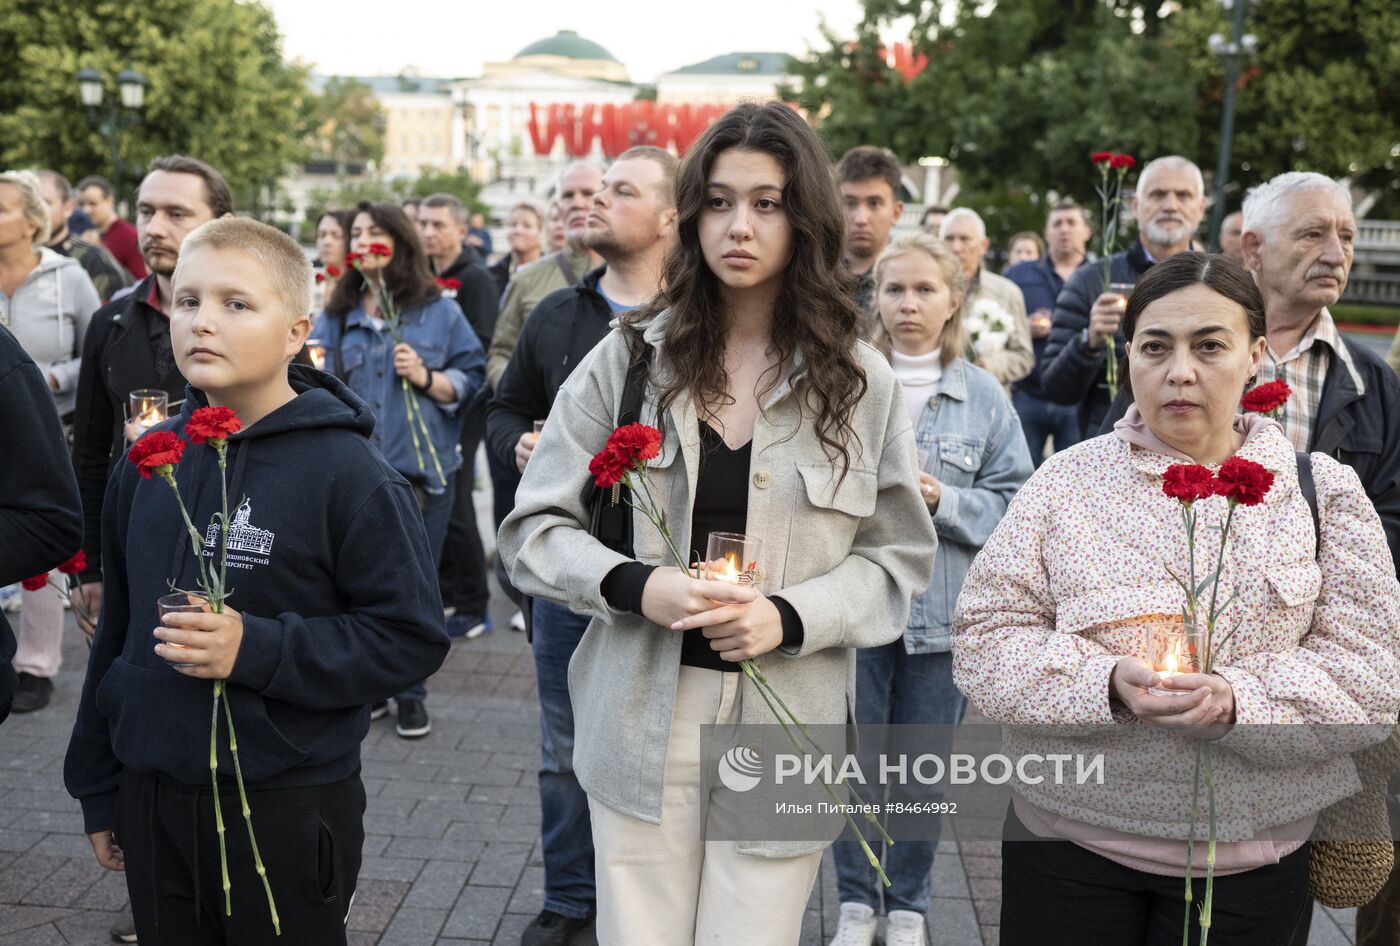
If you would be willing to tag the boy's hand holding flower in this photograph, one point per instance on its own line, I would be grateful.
(210, 642)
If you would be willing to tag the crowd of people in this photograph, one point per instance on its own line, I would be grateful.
(954, 504)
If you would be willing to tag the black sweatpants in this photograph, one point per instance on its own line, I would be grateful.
(309, 838)
(1056, 892)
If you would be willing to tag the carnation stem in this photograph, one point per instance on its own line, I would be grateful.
(1210, 851)
(197, 541)
(248, 819)
(1191, 841)
(218, 808)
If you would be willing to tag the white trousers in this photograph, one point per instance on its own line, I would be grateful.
(40, 650)
(665, 885)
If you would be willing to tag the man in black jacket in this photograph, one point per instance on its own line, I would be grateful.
(442, 225)
(630, 226)
(40, 518)
(1169, 203)
(127, 345)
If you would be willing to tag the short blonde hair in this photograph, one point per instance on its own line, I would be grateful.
(953, 340)
(32, 202)
(287, 268)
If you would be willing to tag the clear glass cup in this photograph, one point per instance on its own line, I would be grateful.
(1124, 289)
(179, 602)
(147, 407)
(539, 427)
(1172, 647)
(733, 557)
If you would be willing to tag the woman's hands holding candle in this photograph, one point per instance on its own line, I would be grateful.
(739, 631)
(1207, 698)
(671, 596)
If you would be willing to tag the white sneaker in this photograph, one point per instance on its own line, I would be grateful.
(857, 926)
(517, 621)
(904, 928)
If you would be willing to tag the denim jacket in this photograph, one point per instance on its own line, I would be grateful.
(971, 438)
(363, 357)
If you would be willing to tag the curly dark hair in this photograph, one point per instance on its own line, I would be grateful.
(815, 311)
(408, 277)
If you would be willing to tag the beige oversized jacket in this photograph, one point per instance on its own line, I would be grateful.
(848, 558)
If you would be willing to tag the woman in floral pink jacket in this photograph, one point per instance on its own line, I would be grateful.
(1048, 636)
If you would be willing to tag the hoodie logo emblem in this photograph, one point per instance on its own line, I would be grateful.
(243, 536)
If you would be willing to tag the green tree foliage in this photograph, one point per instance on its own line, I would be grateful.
(344, 123)
(1018, 94)
(218, 86)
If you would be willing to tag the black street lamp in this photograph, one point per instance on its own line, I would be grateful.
(1233, 53)
(110, 120)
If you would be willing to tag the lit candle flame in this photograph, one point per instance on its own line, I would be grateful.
(150, 416)
(1170, 664)
(731, 572)
(317, 353)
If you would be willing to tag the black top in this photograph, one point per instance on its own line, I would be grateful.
(721, 505)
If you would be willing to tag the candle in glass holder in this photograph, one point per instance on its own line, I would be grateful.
(317, 353)
(538, 427)
(1171, 650)
(733, 557)
(148, 407)
(1124, 289)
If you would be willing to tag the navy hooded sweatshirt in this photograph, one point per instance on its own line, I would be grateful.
(328, 564)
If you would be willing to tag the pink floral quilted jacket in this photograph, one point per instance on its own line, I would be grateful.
(1085, 546)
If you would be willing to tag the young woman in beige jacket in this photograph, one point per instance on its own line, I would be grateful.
(778, 423)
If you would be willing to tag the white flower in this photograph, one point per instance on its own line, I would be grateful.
(988, 327)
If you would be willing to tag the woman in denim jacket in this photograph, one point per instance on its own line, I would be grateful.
(440, 356)
(973, 458)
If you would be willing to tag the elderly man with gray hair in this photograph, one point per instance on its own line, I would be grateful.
(1168, 204)
(1297, 242)
(990, 299)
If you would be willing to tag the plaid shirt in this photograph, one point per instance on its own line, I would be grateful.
(1304, 369)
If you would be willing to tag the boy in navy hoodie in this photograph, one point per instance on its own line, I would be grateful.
(333, 605)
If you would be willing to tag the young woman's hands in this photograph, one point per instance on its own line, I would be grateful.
(671, 598)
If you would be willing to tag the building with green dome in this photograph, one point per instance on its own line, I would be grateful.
(565, 53)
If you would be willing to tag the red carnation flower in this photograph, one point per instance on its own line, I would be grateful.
(625, 450)
(36, 583)
(636, 442)
(157, 452)
(1123, 162)
(450, 284)
(76, 564)
(333, 271)
(352, 258)
(1101, 157)
(1243, 481)
(212, 423)
(380, 250)
(1266, 397)
(608, 468)
(320, 277)
(1188, 482)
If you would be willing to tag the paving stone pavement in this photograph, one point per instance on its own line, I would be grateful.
(451, 851)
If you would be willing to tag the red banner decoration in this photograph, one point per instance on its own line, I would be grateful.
(618, 127)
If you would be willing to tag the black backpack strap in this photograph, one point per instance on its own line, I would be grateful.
(612, 522)
(1309, 488)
